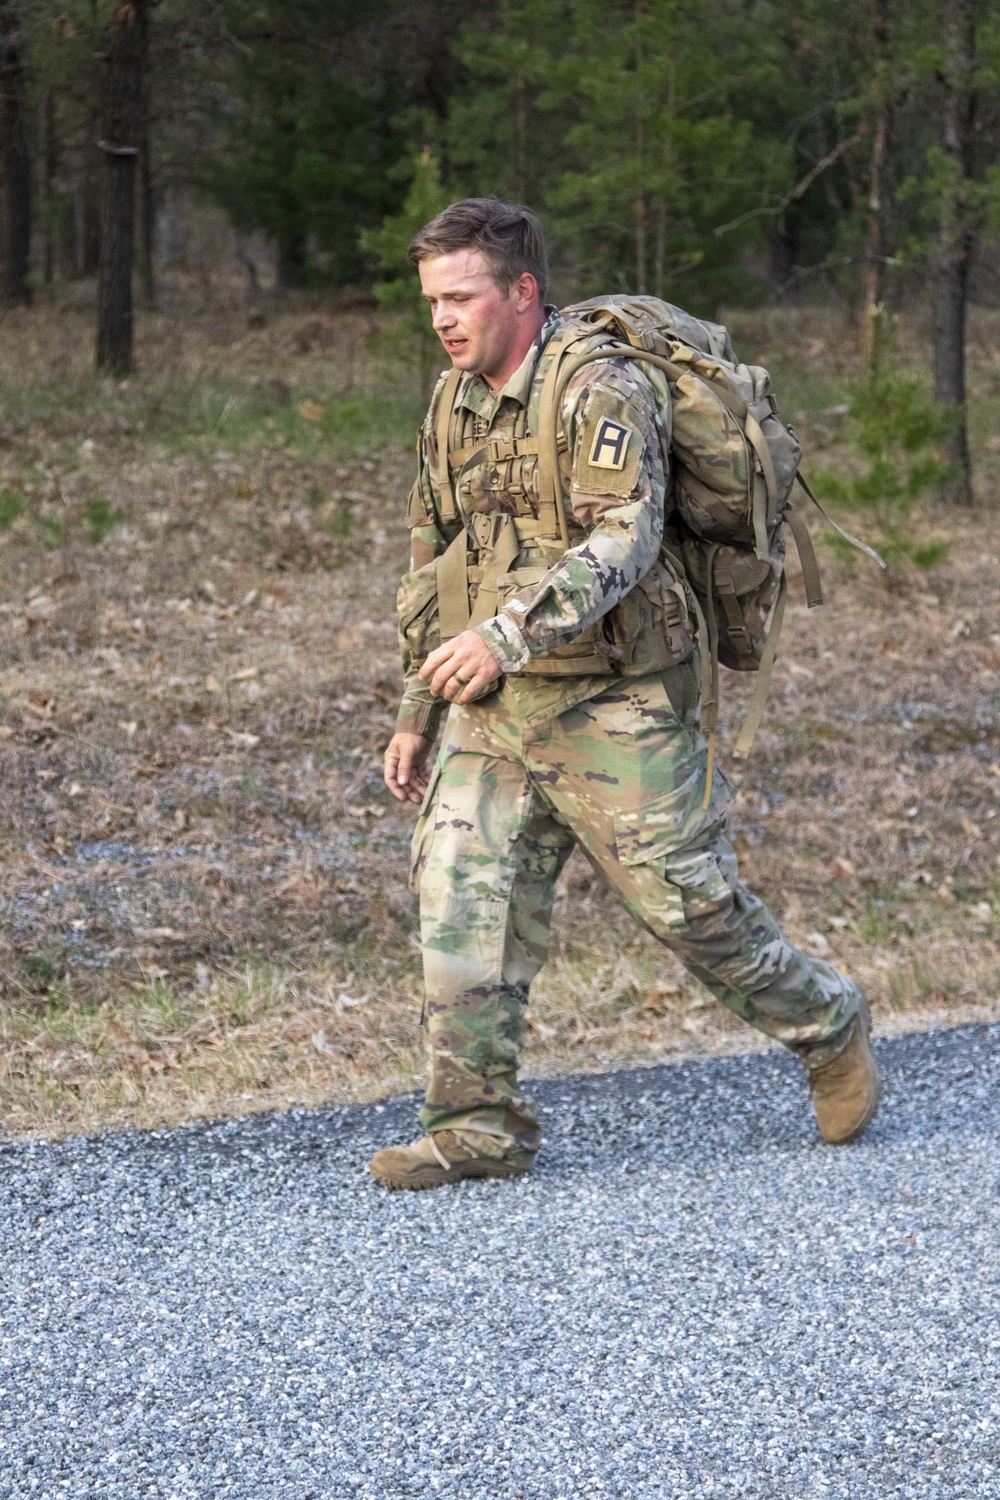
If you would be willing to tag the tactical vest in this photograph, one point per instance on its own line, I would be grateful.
(522, 527)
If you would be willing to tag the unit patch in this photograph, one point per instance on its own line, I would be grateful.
(610, 447)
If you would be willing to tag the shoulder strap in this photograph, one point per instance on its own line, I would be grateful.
(446, 403)
(551, 501)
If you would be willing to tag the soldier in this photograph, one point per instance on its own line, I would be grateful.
(549, 741)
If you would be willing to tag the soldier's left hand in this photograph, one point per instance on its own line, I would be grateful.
(461, 669)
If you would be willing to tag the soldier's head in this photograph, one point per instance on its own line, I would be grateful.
(484, 271)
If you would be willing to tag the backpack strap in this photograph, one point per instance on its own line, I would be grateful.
(493, 451)
(708, 632)
(551, 499)
(762, 687)
(807, 557)
(446, 406)
(765, 489)
(854, 541)
(453, 587)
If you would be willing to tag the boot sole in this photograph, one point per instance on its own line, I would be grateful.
(432, 1177)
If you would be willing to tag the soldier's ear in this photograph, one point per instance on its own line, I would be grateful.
(524, 291)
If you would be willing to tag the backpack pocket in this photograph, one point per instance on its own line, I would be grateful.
(742, 589)
(651, 627)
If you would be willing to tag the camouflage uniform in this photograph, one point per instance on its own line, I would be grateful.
(612, 762)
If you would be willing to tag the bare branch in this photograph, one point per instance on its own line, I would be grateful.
(799, 190)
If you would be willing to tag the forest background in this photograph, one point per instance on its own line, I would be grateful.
(212, 363)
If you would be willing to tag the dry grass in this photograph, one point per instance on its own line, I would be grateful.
(201, 878)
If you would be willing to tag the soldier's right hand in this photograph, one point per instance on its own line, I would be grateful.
(405, 767)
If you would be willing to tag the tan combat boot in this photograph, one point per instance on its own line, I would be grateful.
(846, 1091)
(447, 1156)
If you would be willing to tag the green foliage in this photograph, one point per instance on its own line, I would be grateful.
(426, 197)
(304, 140)
(897, 432)
(100, 519)
(409, 335)
(622, 122)
(11, 506)
(660, 159)
(51, 529)
(341, 523)
(96, 516)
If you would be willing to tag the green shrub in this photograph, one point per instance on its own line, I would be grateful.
(100, 520)
(897, 433)
(11, 506)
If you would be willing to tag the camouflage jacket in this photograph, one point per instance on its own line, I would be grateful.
(615, 468)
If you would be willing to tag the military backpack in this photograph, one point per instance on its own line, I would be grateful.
(732, 464)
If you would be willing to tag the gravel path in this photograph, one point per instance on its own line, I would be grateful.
(691, 1297)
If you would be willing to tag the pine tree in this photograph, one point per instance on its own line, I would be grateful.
(409, 332)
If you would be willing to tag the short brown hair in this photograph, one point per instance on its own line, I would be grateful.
(508, 234)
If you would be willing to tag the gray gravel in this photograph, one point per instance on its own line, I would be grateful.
(691, 1297)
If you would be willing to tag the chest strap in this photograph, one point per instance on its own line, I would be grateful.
(492, 451)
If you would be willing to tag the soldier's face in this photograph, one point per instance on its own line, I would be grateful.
(476, 322)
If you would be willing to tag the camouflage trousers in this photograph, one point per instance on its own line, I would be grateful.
(622, 774)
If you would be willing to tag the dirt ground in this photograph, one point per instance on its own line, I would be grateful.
(202, 879)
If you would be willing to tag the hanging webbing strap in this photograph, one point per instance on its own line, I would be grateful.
(449, 510)
(762, 687)
(500, 558)
(854, 541)
(708, 629)
(807, 557)
(453, 587)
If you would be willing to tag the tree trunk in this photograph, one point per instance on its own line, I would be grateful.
(47, 154)
(146, 212)
(521, 139)
(291, 259)
(121, 129)
(875, 237)
(639, 206)
(639, 209)
(15, 167)
(88, 216)
(660, 249)
(956, 244)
